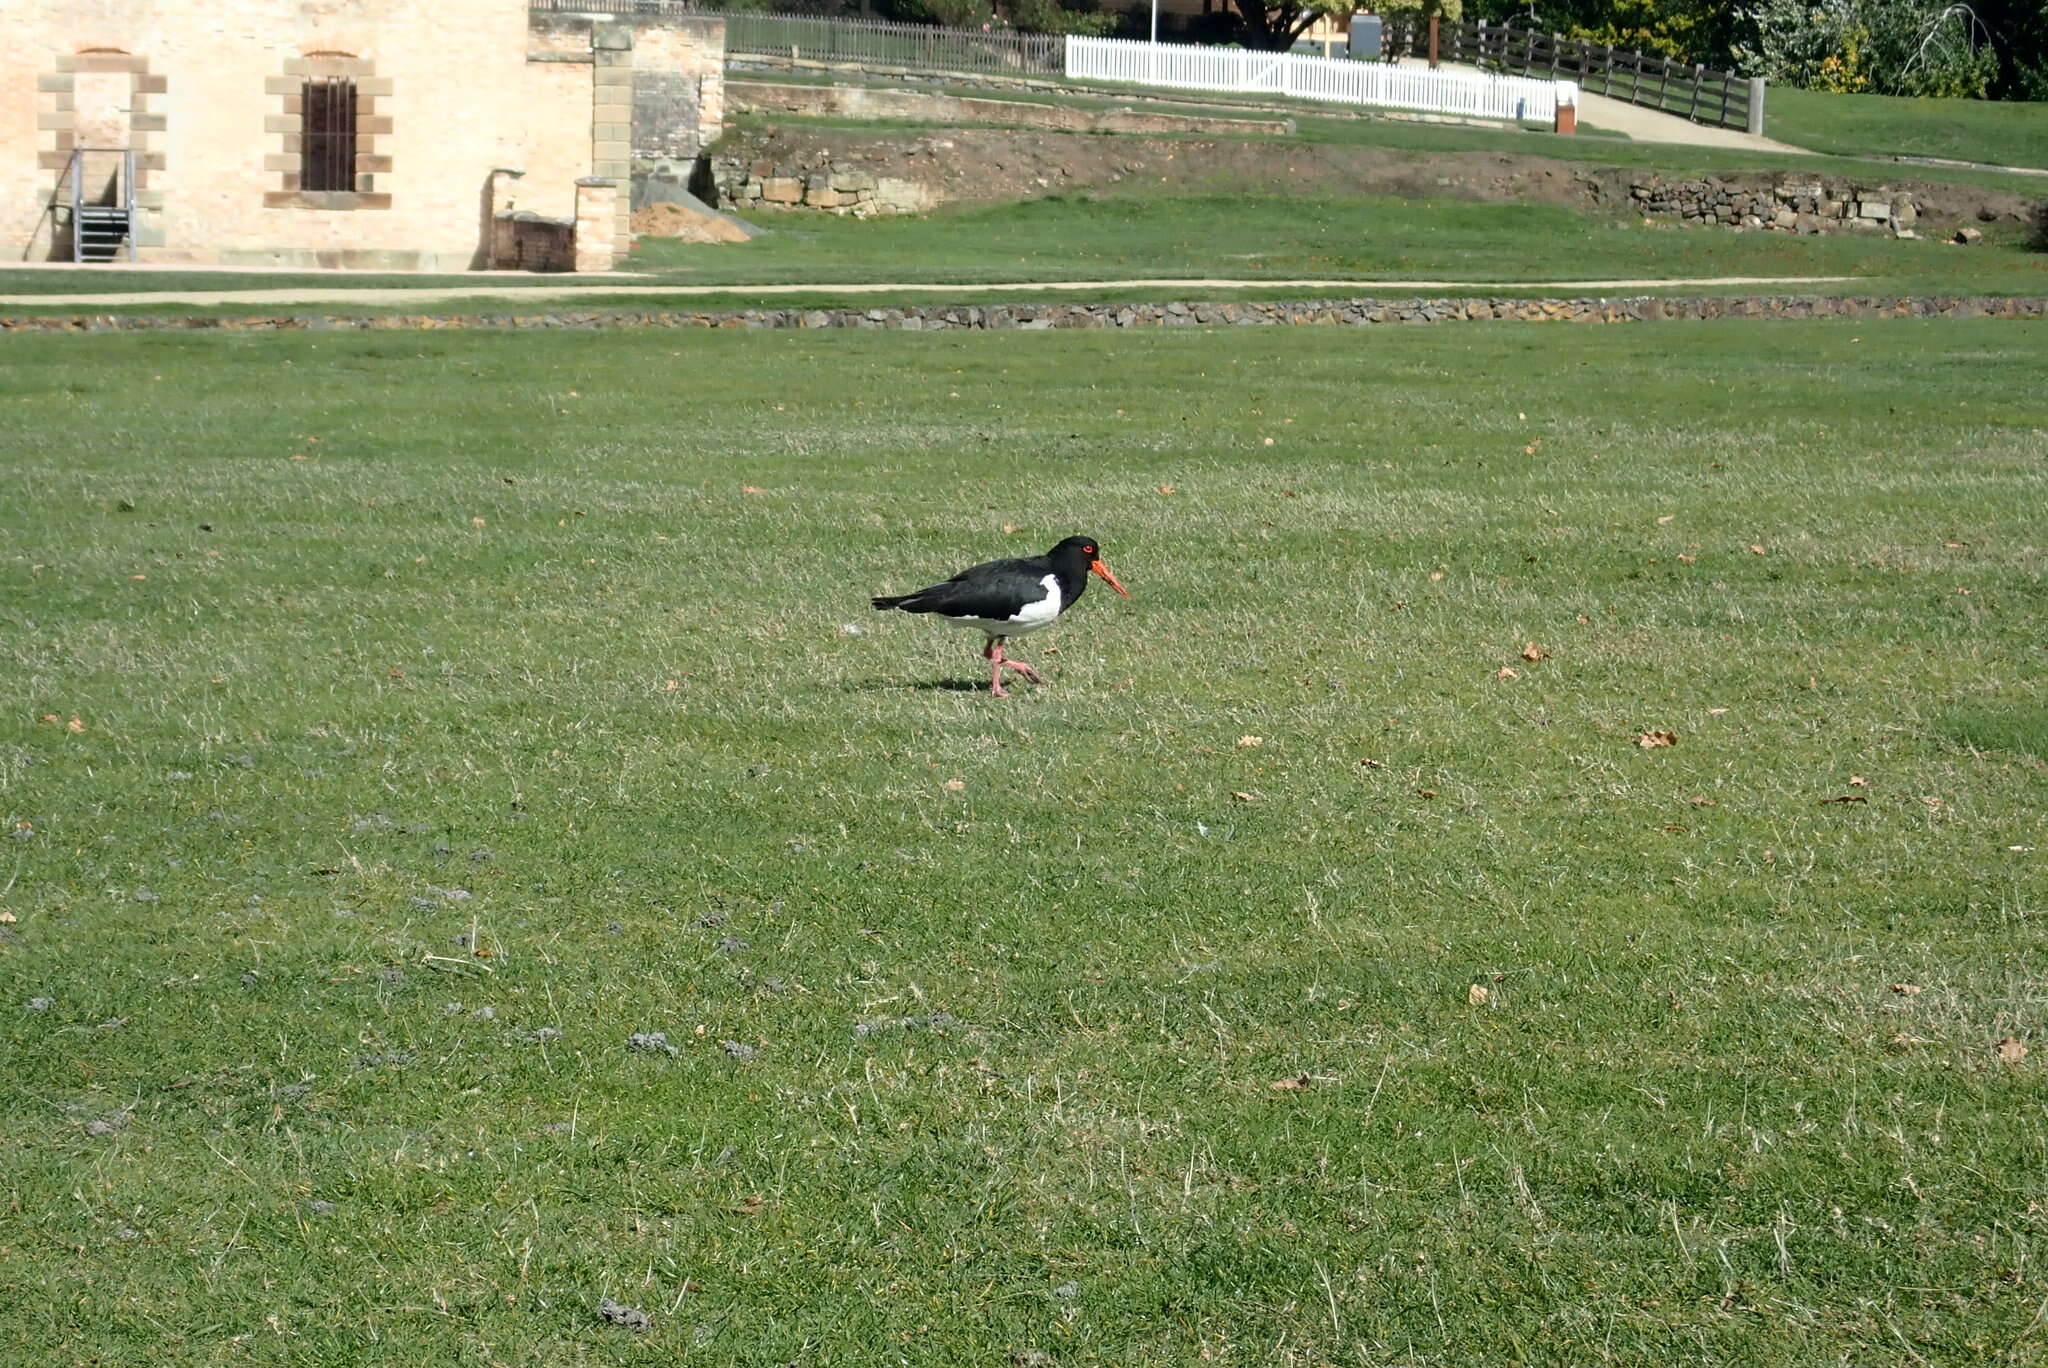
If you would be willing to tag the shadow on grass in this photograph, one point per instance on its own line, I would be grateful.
(920, 685)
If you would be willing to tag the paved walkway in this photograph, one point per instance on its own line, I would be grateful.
(438, 293)
(1654, 125)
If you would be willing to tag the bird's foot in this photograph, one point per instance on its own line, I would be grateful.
(1034, 676)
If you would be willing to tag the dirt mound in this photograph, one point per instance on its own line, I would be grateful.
(670, 220)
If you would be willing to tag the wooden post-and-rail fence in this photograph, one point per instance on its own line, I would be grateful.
(1691, 92)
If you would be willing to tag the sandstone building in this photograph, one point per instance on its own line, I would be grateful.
(382, 134)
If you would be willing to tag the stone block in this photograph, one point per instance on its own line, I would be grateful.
(818, 180)
(1905, 214)
(1873, 209)
(826, 198)
(1969, 237)
(782, 190)
(851, 180)
(895, 195)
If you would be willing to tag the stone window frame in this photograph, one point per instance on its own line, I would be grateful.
(286, 125)
(59, 115)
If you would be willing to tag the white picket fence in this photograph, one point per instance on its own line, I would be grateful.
(1317, 78)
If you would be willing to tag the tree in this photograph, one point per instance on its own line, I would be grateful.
(1685, 30)
(1273, 25)
(1884, 47)
(2019, 35)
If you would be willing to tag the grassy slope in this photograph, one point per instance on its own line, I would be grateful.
(2006, 133)
(538, 651)
(1107, 237)
(1111, 236)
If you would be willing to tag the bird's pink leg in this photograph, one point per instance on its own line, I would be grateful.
(1025, 670)
(994, 655)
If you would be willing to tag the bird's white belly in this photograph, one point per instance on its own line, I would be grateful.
(1029, 618)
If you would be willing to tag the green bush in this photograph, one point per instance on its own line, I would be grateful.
(1880, 47)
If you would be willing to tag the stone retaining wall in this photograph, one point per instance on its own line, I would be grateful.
(1044, 317)
(837, 189)
(1790, 205)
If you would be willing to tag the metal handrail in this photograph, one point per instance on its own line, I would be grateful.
(74, 169)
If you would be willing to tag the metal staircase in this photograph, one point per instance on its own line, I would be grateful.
(99, 183)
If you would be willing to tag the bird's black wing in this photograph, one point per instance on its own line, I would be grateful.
(997, 590)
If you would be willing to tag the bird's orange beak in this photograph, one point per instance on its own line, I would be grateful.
(1097, 567)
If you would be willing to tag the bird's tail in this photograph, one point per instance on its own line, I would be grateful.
(886, 602)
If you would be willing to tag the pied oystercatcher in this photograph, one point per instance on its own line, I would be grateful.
(1006, 598)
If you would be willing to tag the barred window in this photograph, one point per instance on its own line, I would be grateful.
(327, 134)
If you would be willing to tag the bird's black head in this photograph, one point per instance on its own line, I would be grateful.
(1085, 555)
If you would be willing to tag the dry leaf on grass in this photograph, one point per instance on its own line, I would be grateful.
(1534, 653)
(1666, 518)
(75, 726)
(1478, 995)
(1701, 800)
(1294, 1084)
(1508, 672)
(1244, 797)
(2011, 1051)
(1907, 989)
(1858, 781)
(955, 785)
(1251, 740)
(1845, 798)
(752, 489)
(1755, 550)
(1651, 740)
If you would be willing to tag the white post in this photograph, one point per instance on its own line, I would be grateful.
(1152, 53)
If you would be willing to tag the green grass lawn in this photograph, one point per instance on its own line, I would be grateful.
(1317, 970)
(1211, 235)
(1995, 132)
(1105, 236)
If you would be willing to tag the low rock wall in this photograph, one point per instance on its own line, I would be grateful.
(837, 189)
(1790, 205)
(1046, 317)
